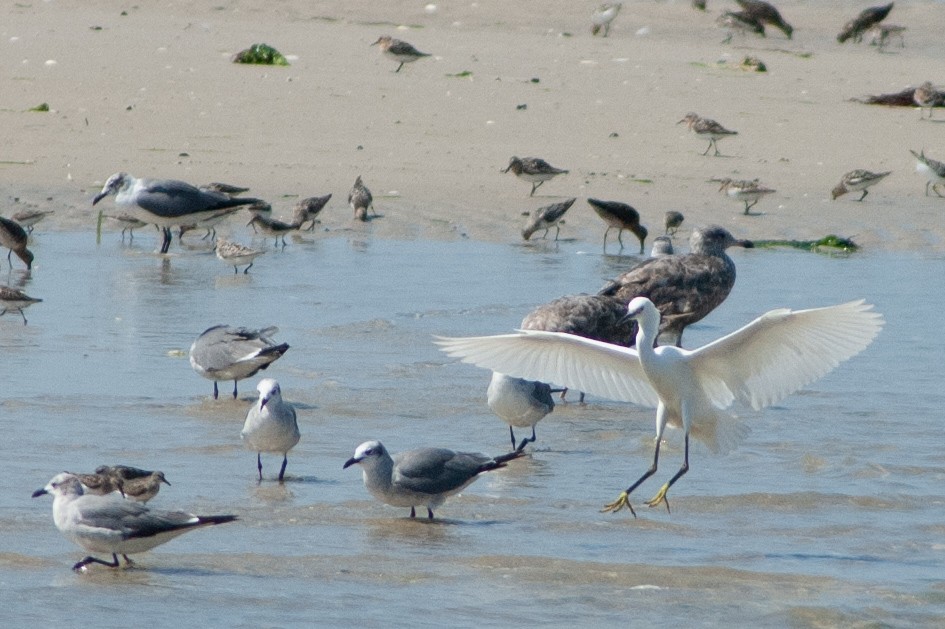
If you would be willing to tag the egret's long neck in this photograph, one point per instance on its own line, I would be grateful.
(648, 329)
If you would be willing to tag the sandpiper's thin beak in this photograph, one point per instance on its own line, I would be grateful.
(165, 481)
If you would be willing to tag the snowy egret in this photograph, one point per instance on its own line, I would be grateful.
(757, 365)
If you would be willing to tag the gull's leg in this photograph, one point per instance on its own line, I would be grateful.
(413, 512)
(623, 500)
(525, 440)
(429, 513)
(661, 494)
(168, 236)
(216, 392)
(234, 389)
(285, 461)
(512, 435)
(259, 465)
(82, 564)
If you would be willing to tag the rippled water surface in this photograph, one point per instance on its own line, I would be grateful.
(832, 512)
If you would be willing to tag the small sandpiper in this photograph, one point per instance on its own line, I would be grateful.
(707, 128)
(28, 218)
(128, 224)
(398, 50)
(671, 221)
(749, 192)
(620, 216)
(924, 96)
(933, 170)
(209, 224)
(274, 227)
(547, 217)
(310, 208)
(766, 13)
(856, 180)
(13, 237)
(236, 254)
(534, 170)
(361, 200)
(15, 300)
(863, 22)
(603, 16)
(224, 188)
(739, 22)
(882, 33)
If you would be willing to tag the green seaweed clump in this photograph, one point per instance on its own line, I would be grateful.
(262, 54)
(830, 243)
(40, 107)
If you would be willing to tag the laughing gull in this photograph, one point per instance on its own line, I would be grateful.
(519, 403)
(757, 366)
(225, 352)
(108, 524)
(425, 476)
(166, 202)
(270, 425)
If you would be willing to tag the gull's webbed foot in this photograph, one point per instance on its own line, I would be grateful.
(623, 500)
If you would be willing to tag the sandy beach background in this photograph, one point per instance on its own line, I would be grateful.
(150, 89)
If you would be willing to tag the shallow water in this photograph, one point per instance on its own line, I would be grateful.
(830, 513)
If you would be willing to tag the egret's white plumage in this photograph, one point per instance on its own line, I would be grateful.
(757, 365)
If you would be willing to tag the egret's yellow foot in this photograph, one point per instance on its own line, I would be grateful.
(623, 500)
(660, 497)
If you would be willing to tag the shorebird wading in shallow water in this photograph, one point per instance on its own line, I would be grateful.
(399, 51)
(706, 128)
(744, 191)
(236, 254)
(422, 477)
(108, 524)
(361, 200)
(620, 216)
(270, 425)
(165, 202)
(14, 238)
(534, 170)
(225, 352)
(547, 217)
(15, 300)
(757, 366)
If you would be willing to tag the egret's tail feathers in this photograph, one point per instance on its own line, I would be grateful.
(722, 434)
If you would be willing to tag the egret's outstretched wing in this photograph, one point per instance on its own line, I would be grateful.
(781, 351)
(610, 371)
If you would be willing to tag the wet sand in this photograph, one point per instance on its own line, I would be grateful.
(153, 92)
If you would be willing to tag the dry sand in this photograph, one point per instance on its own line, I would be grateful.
(153, 92)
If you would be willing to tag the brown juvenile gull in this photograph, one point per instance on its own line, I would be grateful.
(766, 13)
(15, 300)
(620, 216)
(14, 238)
(547, 217)
(863, 22)
(226, 352)
(166, 203)
(706, 128)
(106, 524)
(422, 477)
(534, 170)
(399, 51)
(684, 287)
(361, 200)
(857, 180)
